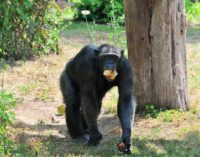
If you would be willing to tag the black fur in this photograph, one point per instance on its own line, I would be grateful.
(83, 86)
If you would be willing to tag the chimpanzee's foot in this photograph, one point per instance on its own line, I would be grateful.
(94, 140)
(83, 139)
(100, 136)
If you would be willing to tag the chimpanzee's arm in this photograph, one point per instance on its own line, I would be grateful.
(127, 102)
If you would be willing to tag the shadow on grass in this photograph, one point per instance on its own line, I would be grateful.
(187, 147)
(54, 145)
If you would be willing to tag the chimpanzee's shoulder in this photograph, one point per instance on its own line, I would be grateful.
(125, 63)
(88, 50)
(90, 47)
(125, 67)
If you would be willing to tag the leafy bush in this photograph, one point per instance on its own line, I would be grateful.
(152, 111)
(101, 11)
(7, 102)
(192, 10)
(29, 27)
(162, 114)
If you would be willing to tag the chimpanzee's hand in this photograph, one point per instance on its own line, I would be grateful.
(124, 146)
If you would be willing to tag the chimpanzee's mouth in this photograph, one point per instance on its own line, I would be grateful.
(110, 75)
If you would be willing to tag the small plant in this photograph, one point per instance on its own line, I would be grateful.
(115, 24)
(90, 28)
(170, 115)
(7, 102)
(151, 111)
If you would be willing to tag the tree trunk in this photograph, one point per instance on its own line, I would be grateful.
(157, 52)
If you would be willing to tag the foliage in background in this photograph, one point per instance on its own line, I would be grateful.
(90, 28)
(101, 11)
(7, 102)
(115, 25)
(29, 27)
(32, 27)
(193, 11)
(116, 22)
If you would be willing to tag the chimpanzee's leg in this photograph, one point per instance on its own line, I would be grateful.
(72, 102)
(89, 103)
(84, 124)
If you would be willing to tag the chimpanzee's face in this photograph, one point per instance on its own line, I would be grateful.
(109, 62)
(109, 58)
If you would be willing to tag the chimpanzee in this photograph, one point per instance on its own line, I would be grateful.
(84, 82)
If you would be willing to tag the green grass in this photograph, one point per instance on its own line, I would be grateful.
(193, 57)
(27, 88)
(83, 27)
(81, 30)
(102, 34)
(110, 103)
(44, 94)
(185, 146)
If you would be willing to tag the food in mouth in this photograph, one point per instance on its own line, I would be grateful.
(110, 74)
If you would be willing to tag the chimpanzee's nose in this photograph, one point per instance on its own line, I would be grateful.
(110, 66)
(110, 62)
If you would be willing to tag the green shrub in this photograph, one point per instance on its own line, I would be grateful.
(152, 111)
(7, 102)
(192, 10)
(101, 11)
(187, 5)
(29, 27)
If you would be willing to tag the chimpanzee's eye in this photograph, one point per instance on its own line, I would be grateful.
(108, 58)
(115, 58)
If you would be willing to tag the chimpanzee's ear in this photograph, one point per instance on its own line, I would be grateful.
(97, 51)
(122, 53)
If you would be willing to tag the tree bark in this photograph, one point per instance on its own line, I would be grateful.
(157, 52)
